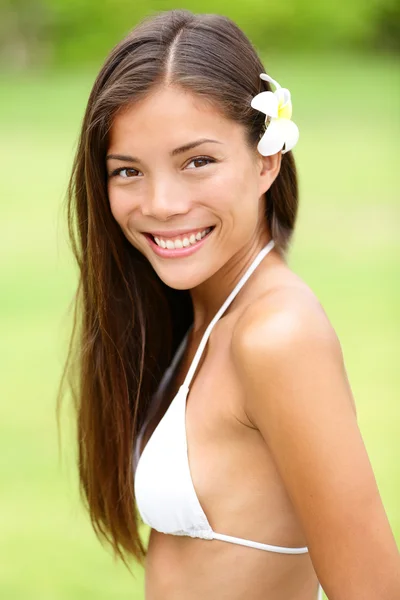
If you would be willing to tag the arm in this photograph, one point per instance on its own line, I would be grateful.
(298, 396)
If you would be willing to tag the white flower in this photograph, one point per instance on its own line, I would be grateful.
(280, 131)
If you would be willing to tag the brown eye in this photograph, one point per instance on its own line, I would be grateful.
(126, 171)
(201, 159)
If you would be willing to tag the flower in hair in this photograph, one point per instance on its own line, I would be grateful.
(280, 130)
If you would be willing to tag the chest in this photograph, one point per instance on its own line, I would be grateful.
(213, 397)
(225, 452)
(230, 465)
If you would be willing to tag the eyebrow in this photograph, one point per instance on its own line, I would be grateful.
(180, 150)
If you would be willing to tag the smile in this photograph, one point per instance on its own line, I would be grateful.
(179, 247)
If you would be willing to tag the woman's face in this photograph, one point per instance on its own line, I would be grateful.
(155, 184)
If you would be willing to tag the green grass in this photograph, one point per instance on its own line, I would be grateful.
(346, 248)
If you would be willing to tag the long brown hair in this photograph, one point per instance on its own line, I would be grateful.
(127, 322)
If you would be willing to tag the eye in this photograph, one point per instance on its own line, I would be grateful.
(200, 159)
(122, 170)
(129, 172)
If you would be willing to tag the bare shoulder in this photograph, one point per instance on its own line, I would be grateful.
(286, 333)
(282, 323)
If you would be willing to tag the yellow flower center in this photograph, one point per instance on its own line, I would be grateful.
(284, 112)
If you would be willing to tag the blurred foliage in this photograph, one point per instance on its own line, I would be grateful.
(55, 33)
(387, 25)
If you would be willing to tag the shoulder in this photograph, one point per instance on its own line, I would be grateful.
(283, 321)
(285, 340)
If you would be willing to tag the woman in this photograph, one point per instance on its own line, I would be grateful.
(213, 403)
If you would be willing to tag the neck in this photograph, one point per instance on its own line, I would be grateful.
(209, 296)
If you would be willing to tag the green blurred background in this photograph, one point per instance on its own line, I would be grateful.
(341, 64)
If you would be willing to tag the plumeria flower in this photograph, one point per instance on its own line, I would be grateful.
(280, 131)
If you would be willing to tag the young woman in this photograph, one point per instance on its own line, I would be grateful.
(213, 403)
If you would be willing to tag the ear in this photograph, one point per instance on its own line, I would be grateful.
(268, 169)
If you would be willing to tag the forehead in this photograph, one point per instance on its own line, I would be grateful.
(172, 114)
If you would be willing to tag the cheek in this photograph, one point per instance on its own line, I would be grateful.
(232, 188)
(120, 203)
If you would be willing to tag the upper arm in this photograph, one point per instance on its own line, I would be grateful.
(297, 394)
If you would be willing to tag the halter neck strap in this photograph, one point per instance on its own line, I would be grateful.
(220, 312)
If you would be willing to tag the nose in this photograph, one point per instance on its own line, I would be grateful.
(165, 200)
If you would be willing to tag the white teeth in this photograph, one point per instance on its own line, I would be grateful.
(182, 243)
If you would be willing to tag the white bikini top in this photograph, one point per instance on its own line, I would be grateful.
(164, 490)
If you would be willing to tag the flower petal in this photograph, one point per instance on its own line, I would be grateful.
(266, 77)
(267, 103)
(290, 134)
(285, 104)
(285, 112)
(273, 139)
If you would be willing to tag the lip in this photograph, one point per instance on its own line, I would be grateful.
(169, 235)
(176, 252)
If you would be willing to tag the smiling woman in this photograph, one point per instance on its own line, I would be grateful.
(161, 181)
(212, 399)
